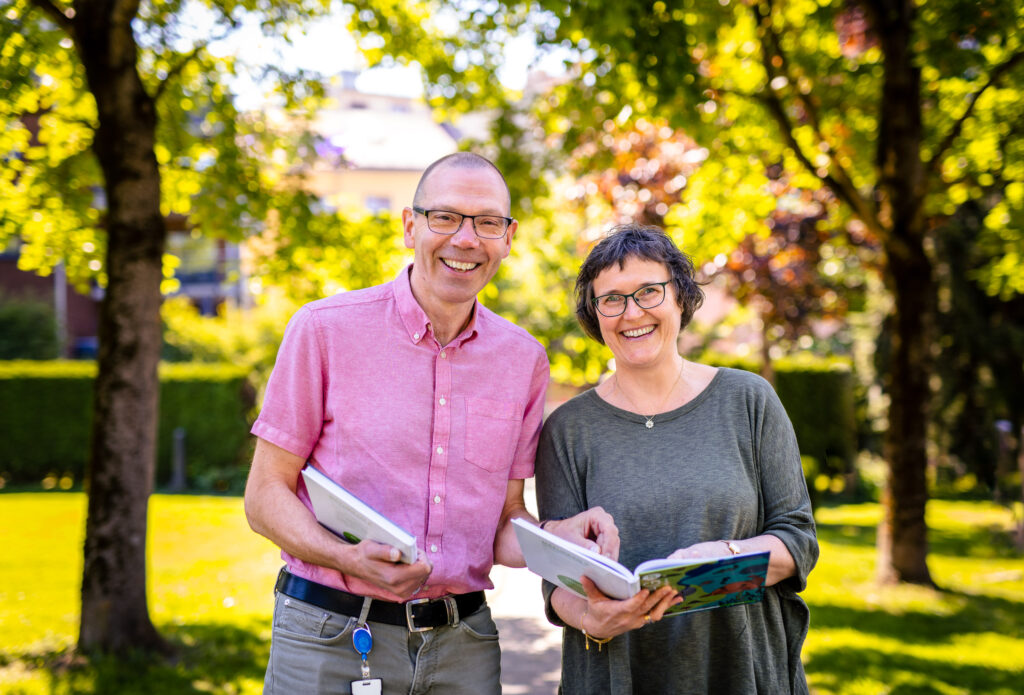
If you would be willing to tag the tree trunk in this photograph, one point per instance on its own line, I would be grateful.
(1020, 466)
(115, 615)
(767, 369)
(903, 536)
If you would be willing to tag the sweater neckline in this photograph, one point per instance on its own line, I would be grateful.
(668, 415)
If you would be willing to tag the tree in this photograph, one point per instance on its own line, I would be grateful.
(801, 270)
(902, 110)
(982, 384)
(875, 101)
(117, 116)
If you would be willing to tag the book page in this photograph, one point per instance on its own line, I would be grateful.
(709, 583)
(563, 563)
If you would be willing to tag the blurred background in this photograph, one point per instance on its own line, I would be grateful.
(179, 177)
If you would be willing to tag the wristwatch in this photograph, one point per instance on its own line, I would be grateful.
(733, 548)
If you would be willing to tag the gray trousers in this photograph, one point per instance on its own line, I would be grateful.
(311, 653)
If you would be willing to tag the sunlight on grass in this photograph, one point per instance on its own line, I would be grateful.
(210, 582)
(964, 639)
(210, 592)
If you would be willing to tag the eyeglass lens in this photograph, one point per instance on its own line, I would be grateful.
(444, 222)
(646, 297)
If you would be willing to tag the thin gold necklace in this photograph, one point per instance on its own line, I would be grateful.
(650, 418)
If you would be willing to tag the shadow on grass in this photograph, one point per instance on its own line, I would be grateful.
(231, 658)
(210, 658)
(902, 674)
(977, 541)
(978, 614)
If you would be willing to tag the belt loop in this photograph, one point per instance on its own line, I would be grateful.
(453, 610)
(367, 602)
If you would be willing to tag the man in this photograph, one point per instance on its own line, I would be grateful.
(427, 406)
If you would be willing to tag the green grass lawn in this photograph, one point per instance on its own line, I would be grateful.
(210, 580)
(967, 638)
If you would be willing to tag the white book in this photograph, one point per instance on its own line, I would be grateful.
(351, 519)
(703, 583)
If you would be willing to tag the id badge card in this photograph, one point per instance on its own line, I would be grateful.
(369, 686)
(362, 642)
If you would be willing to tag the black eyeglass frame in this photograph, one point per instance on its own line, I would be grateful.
(631, 295)
(463, 218)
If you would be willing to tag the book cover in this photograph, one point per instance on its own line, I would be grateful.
(704, 583)
(351, 519)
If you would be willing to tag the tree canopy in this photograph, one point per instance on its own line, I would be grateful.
(117, 116)
(902, 111)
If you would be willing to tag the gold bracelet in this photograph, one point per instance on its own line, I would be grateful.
(588, 638)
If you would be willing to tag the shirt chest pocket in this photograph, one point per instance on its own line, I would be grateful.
(492, 432)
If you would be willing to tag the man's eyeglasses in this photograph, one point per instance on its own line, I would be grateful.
(647, 297)
(448, 222)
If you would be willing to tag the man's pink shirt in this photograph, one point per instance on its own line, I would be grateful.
(427, 435)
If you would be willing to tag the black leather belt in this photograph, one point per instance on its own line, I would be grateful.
(418, 614)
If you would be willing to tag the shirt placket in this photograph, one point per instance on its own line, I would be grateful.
(440, 437)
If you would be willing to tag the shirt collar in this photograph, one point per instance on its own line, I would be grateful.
(415, 320)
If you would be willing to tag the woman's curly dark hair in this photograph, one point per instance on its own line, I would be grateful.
(646, 243)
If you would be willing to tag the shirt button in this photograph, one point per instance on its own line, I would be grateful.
(437, 499)
(442, 400)
(433, 548)
(443, 354)
(415, 336)
(440, 450)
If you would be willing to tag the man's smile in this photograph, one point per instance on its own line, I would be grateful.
(461, 266)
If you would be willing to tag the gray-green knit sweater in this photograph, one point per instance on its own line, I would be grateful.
(724, 466)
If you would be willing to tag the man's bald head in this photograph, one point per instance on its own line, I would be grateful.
(460, 160)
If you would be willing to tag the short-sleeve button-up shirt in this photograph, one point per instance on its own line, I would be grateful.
(428, 435)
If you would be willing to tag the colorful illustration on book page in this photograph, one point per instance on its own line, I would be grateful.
(729, 582)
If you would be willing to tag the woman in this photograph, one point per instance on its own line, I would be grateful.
(691, 461)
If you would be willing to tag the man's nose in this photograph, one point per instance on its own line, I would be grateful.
(465, 235)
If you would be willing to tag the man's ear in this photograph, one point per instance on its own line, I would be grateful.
(509, 233)
(408, 221)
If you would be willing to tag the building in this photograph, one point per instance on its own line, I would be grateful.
(374, 148)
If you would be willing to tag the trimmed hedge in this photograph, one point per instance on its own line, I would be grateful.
(46, 416)
(46, 411)
(818, 395)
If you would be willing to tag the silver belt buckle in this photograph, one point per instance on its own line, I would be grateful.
(409, 620)
(449, 604)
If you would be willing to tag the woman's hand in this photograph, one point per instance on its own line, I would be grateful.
(780, 563)
(705, 549)
(604, 617)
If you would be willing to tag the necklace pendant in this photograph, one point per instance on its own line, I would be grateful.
(650, 424)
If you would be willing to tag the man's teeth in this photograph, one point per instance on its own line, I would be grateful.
(637, 332)
(459, 265)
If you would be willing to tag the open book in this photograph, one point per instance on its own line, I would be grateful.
(703, 583)
(351, 519)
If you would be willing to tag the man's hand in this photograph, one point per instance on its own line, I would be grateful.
(378, 564)
(594, 529)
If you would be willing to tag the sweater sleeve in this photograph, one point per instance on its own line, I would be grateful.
(560, 489)
(786, 506)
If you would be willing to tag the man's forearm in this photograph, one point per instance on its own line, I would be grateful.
(506, 545)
